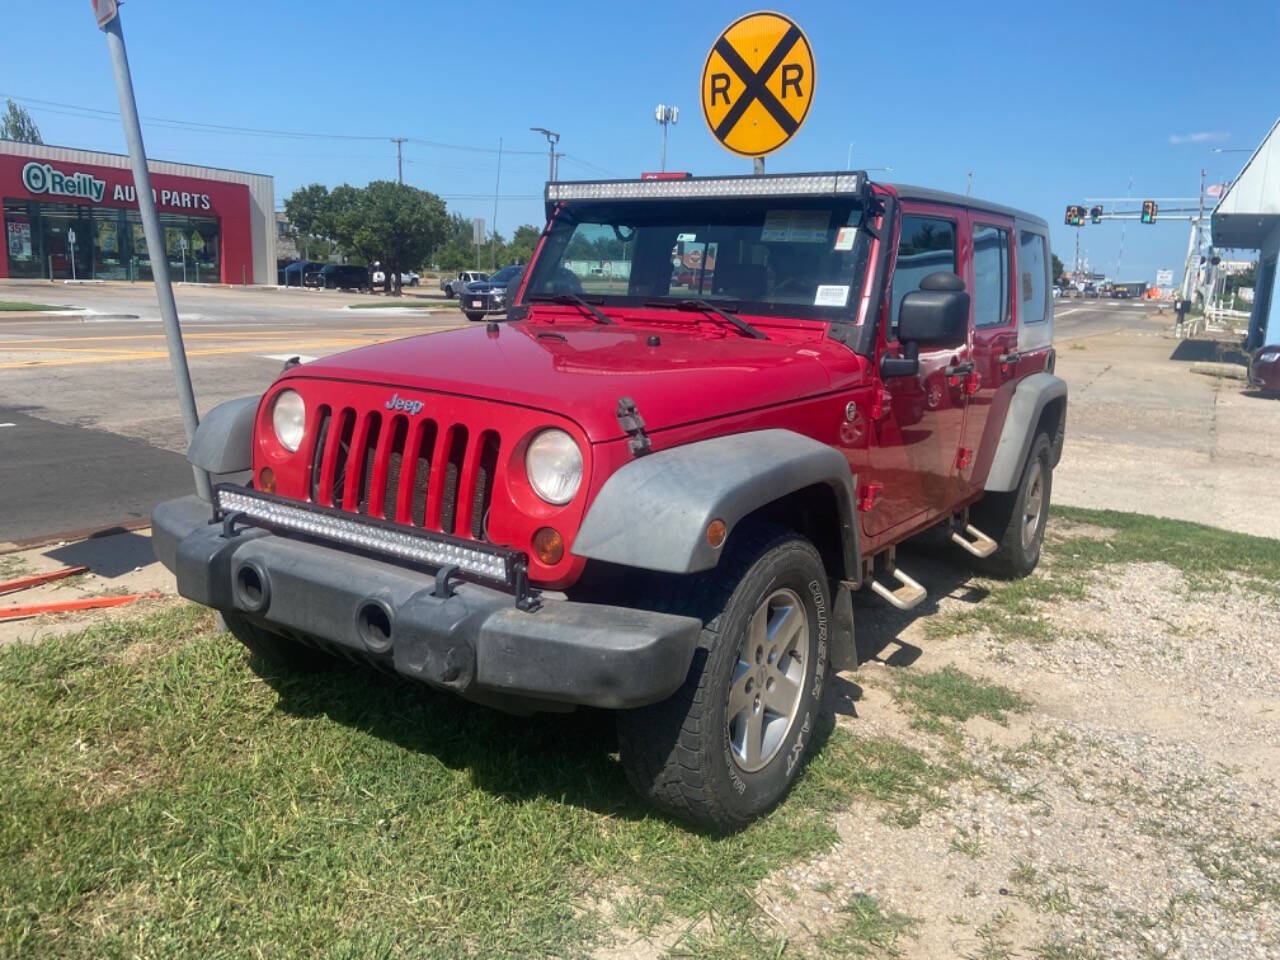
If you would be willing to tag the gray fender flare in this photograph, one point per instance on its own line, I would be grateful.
(224, 440)
(653, 513)
(1030, 397)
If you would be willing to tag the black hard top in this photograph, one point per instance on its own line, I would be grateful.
(908, 192)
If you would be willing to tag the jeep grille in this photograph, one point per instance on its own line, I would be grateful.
(408, 470)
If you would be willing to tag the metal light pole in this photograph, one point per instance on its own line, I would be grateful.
(666, 116)
(552, 139)
(493, 258)
(109, 21)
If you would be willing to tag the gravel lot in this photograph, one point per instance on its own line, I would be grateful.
(1131, 810)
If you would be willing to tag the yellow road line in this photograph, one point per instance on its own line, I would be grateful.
(161, 354)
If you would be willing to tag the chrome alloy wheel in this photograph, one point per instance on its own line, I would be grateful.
(1034, 505)
(768, 680)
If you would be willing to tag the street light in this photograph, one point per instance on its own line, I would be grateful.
(552, 139)
(666, 116)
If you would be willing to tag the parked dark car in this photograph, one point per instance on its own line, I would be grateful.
(1264, 370)
(291, 274)
(339, 276)
(490, 296)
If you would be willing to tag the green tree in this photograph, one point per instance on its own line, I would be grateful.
(1058, 269)
(456, 251)
(392, 223)
(309, 211)
(521, 247)
(16, 124)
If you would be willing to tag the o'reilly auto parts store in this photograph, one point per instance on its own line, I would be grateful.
(73, 214)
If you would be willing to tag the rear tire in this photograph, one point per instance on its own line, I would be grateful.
(274, 648)
(725, 748)
(1016, 520)
(473, 317)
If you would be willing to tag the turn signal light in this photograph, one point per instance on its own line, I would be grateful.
(267, 480)
(548, 546)
(715, 534)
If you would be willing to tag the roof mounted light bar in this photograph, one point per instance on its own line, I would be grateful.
(842, 183)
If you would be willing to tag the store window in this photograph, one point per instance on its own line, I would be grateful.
(22, 239)
(65, 241)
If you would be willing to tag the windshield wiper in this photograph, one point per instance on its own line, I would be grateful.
(573, 300)
(706, 306)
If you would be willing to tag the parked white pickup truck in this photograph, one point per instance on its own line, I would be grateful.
(452, 286)
(409, 279)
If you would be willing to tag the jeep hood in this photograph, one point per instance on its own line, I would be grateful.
(581, 371)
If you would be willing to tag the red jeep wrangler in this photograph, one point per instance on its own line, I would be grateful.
(653, 489)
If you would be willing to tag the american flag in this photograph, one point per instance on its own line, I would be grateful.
(1216, 190)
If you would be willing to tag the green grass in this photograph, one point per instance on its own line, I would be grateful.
(17, 306)
(1015, 610)
(160, 798)
(950, 694)
(414, 302)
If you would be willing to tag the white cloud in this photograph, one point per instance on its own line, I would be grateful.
(1200, 136)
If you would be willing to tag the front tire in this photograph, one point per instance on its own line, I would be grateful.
(1016, 520)
(725, 748)
(473, 317)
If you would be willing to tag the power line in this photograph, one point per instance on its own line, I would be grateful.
(196, 125)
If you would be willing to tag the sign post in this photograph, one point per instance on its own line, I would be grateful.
(757, 85)
(109, 21)
(71, 249)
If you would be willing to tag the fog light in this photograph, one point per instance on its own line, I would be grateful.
(267, 480)
(548, 545)
(715, 534)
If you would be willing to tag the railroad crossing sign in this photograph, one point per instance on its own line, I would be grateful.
(757, 83)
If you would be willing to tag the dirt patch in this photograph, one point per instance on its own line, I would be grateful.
(1131, 810)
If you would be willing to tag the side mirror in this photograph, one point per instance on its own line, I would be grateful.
(936, 315)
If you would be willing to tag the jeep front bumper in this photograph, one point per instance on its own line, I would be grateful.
(473, 640)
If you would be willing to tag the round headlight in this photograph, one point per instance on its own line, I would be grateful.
(289, 417)
(554, 465)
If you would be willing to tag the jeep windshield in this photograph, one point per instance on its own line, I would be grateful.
(795, 257)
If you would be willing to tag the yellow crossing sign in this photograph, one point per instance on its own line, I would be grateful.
(757, 83)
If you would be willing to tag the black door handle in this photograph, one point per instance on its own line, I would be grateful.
(1011, 357)
(964, 368)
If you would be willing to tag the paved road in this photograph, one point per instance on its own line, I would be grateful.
(96, 388)
(96, 437)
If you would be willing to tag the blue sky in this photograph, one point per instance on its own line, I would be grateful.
(1046, 104)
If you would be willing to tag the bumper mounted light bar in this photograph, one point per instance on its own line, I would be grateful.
(239, 505)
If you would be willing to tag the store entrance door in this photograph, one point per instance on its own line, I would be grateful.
(59, 224)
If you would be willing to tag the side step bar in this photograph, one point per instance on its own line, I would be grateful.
(908, 595)
(980, 545)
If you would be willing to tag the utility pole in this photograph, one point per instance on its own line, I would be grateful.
(552, 139)
(666, 116)
(399, 158)
(493, 247)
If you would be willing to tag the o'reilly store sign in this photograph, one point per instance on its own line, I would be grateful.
(44, 179)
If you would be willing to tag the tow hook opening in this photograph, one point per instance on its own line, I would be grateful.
(373, 623)
(252, 591)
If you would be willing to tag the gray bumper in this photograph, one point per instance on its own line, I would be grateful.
(474, 642)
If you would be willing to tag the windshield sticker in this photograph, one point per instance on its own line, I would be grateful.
(686, 237)
(845, 237)
(832, 295)
(795, 226)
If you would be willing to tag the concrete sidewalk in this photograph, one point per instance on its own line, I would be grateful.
(1145, 434)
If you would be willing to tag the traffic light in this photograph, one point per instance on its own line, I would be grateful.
(1095, 214)
(1075, 215)
(1149, 211)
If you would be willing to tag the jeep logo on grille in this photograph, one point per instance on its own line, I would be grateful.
(398, 402)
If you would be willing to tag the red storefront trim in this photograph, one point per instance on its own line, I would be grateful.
(228, 202)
